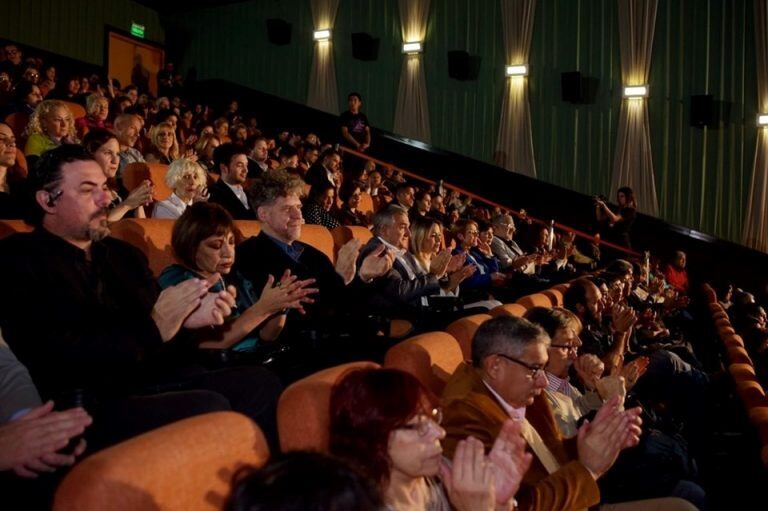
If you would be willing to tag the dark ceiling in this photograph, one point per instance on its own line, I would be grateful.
(172, 6)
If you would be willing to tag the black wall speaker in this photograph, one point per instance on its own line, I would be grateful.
(571, 88)
(364, 46)
(463, 66)
(710, 112)
(278, 31)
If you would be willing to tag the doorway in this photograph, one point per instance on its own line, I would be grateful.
(134, 61)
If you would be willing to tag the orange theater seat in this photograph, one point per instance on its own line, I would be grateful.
(18, 123)
(431, 357)
(719, 316)
(733, 340)
(344, 233)
(555, 296)
(463, 330)
(509, 309)
(150, 235)
(248, 228)
(303, 412)
(76, 109)
(135, 173)
(738, 355)
(184, 466)
(320, 238)
(723, 322)
(535, 300)
(751, 394)
(20, 169)
(742, 372)
(8, 227)
(366, 203)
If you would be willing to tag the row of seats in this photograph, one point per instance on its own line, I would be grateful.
(742, 370)
(153, 237)
(142, 473)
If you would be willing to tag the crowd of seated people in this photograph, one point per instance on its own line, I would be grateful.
(236, 318)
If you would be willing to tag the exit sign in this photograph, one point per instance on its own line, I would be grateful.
(137, 30)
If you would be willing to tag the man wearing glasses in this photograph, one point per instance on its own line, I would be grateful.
(13, 61)
(505, 380)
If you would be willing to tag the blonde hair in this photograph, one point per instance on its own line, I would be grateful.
(179, 167)
(419, 231)
(173, 152)
(92, 103)
(205, 140)
(44, 109)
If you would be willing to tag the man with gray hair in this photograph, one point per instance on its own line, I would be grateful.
(506, 379)
(405, 289)
(506, 249)
(128, 130)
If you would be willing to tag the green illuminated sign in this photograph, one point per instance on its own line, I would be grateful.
(137, 30)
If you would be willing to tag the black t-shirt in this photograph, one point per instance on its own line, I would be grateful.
(356, 124)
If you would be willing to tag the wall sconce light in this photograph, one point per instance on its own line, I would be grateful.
(411, 48)
(636, 91)
(518, 70)
(762, 120)
(322, 35)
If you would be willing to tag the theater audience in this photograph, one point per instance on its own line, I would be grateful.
(203, 241)
(405, 196)
(319, 206)
(477, 288)
(325, 169)
(675, 273)
(232, 163)
(187, 180)
(616, 226)
(105, 149)
(258, 156)
(385, 424)
(422, 204)
(50, 125)
(204, 149)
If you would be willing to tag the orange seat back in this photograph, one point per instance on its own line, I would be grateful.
(535, 300)
(18, 121)
(248, 228)
(76, 109)
(303, 412)
(184, 466)
(463, 330)
(20, 169)
(555, 297)
(738, 355)
(135, 173)
(742, 372)
(366, 203)
(344, 233)
(509, 309)
(8, 227)
(751, 394)
(320, 238)
(431, 357)
(150, 235)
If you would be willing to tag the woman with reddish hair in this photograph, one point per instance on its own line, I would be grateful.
(384, 423)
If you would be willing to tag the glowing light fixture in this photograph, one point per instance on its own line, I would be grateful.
(762, 120)
(518, 70)
(322, 35)
(412, 48)
(636, 91)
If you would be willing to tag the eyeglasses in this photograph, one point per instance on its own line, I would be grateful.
(424, 420)
(533, 371)
(6, 141)
(567, 347)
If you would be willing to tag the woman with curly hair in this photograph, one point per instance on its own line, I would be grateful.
(50, 125)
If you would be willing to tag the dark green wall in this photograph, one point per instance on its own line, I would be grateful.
(73, 28)
(700, 46)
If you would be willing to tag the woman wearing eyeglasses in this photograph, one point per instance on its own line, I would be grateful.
(383, 422)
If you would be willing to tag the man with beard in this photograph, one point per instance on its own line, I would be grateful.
(228, 192)
(82, 311)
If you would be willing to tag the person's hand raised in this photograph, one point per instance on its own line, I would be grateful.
(214, 307)
(589, 368)
(623, 317)
(175, 304)
(376, 264)
(439, 264)
(288, 293)
(612, 430)
(346, 260)
(469, 480)
(141, 195)
(456, 262)
(509, 461)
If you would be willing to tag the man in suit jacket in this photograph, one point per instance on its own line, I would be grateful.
(228, 191)
(506, 249)
(324, 169)
(277, 248)
(505, 380)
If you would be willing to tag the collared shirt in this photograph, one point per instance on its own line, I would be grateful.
(517, 414)
(172, 207)
(239, 193)
(294, 250)
(561, 385)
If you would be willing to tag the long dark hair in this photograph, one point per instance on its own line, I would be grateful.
(630, 195)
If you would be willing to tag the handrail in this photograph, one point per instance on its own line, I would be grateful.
(475, 197)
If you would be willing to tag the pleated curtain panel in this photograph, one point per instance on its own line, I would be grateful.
(514, 149)
(633, 164)
(323, 93)
(412, 109)
(756, 220)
